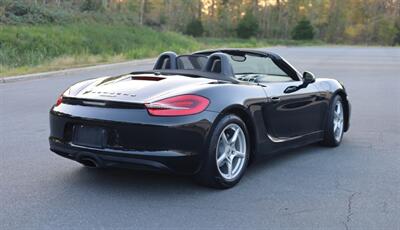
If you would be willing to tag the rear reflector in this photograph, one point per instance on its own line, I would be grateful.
(178, 106)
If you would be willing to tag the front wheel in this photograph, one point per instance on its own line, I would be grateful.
(335, 123)
(228, 154)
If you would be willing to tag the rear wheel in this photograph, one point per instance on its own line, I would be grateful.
(335, 123)
(228, 154)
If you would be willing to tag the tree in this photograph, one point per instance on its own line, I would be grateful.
(141, 13)
(303, 30)
(333, 21)
(248, 26)
(194, 28)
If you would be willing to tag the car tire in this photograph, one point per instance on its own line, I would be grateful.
(334, 127)
(227, 154)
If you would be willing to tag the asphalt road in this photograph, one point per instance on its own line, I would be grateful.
(354, 186)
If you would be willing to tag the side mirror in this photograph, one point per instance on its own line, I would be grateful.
(308, 78)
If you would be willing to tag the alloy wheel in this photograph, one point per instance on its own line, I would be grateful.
(338, 119)
(231, 152)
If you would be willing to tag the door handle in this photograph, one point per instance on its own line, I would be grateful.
(275, 99)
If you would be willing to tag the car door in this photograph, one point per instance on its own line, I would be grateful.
(295, 113)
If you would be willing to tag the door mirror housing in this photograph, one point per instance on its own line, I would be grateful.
(308, 78)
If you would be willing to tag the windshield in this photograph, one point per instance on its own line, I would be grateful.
(256, 68)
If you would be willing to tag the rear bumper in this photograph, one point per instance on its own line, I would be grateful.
(136, 139)
(167, 161)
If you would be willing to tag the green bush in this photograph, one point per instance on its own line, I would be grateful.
(396, 40)
(303, 30)
(386, 32)
(20, 12)
(91, 5)
(194, 28)
(247, 26)
(17, 8)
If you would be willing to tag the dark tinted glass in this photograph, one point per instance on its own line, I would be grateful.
(191, 62)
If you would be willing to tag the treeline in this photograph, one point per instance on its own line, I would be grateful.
(333, 21)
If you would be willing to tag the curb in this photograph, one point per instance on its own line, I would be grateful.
(60, 73)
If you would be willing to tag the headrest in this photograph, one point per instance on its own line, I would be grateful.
(166, 60)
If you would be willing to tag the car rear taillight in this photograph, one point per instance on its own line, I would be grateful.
(178, 106)
(59, 100)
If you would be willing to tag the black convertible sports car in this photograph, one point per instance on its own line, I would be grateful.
(207, 114)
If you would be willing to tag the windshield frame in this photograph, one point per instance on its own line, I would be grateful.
(278, 60)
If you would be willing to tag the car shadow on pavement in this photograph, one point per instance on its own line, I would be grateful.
(279, 159)
(152, 182)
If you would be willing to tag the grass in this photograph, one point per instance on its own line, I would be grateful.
(39, 48)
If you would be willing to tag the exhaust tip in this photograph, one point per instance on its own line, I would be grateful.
(89, 162)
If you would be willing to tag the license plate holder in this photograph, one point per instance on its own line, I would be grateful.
(89, 136)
